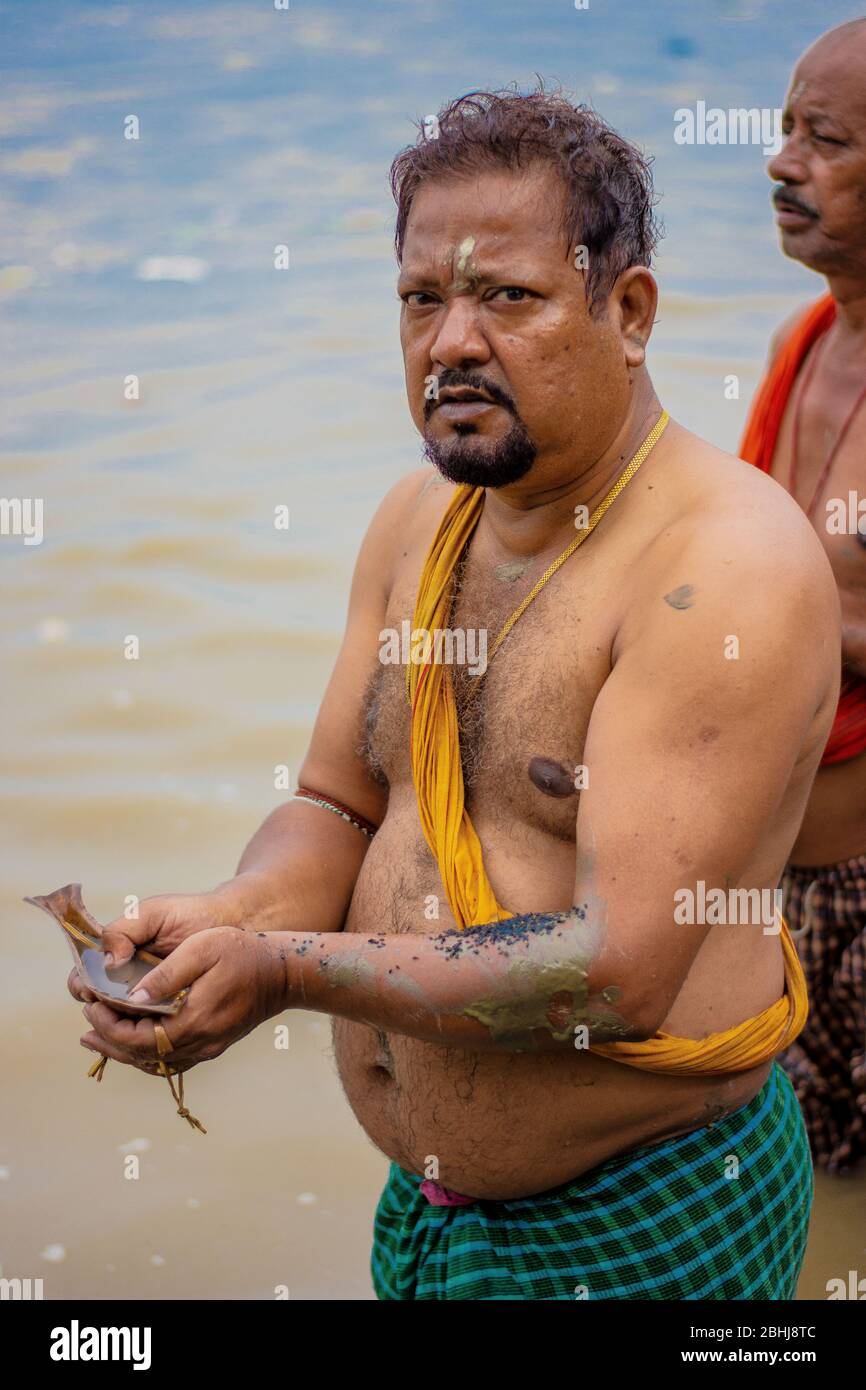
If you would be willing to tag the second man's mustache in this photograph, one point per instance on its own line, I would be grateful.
(783, 197)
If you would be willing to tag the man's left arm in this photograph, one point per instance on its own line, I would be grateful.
(691, 746)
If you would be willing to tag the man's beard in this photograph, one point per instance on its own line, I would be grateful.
(470, 458)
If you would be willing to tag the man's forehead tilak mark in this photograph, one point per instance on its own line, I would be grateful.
(464, 251)
(464, 271)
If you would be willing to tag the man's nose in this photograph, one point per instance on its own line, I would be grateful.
(459, 338)
(788, 166)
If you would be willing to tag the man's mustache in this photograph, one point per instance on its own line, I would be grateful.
(784, 198)
(473, 381)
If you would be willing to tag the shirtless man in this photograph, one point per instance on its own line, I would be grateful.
(815, 393)
(486, 1062)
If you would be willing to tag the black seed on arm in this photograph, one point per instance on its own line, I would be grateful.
(454, 943)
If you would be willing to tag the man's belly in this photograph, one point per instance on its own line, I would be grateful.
(499, 1124)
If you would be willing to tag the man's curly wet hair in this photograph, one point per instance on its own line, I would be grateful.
(608, 183)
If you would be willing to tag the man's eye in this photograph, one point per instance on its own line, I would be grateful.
(418, 299)
(515, 293)
(827, 139)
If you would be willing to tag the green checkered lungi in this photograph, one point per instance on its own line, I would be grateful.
(669, 1221)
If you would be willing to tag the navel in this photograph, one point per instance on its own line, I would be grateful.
(551, 778)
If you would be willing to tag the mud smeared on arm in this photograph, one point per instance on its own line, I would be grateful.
(545, 988)
(521, 984)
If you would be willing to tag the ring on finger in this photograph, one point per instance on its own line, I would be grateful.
(163, 1041)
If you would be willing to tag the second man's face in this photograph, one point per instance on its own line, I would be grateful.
(821, 168)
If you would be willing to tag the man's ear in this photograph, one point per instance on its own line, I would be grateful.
(634, 299)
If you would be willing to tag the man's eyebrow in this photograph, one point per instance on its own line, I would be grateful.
(417, 275)
(813, 115)
(477, 273)
(818, 114)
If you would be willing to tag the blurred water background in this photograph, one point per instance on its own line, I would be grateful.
(261, 387)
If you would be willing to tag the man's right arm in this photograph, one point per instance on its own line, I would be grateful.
(301, 866)
(299, 870)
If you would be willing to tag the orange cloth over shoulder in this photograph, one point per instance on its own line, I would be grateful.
(848, 735)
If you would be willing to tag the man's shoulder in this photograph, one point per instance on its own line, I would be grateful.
(423, 487)
(737, 521)
(408, 513)
(737, 569)
(782, 333)
(725, 490)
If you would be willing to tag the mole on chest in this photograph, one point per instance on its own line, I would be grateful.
(551, 777)
(494, 733)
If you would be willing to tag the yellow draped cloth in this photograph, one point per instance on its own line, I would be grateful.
(438, 777)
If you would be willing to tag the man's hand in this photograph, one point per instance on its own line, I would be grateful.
(238, 980)
(164, 922)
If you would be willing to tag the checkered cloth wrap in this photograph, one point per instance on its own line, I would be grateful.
(661, 1222)
(827, 1063)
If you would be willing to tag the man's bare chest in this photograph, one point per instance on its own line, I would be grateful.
(523, 712)
(819, 459)
(822, 435)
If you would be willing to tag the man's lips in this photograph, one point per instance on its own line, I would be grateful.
(792, 217)
(454, 409)
(790, 212)
(460, 403)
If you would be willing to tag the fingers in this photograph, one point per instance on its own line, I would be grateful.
(94, 1043)
(122, 936)
(133, 1040)
(192, 959)
(135, 1037)
(78, 989)
(192, 1033)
